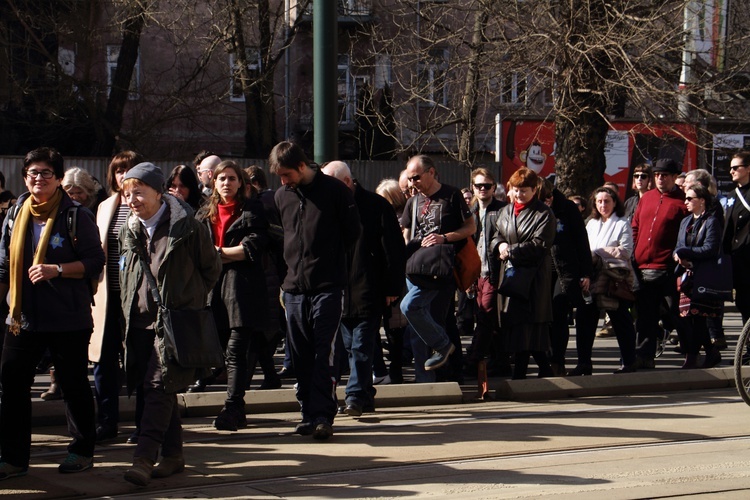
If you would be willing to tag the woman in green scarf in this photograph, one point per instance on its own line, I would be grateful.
(48, 255)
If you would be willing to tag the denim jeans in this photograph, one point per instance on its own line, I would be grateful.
(107, 378)
(418, 306)
(359, 341)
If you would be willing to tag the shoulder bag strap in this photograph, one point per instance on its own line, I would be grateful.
(742, 199)
(414, 216)
(152, 286)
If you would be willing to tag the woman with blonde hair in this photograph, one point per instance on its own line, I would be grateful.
(81, 187)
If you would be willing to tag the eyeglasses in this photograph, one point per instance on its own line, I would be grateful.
(640, 176)
(735, 167)
(415, 178)
(486, 186)
(45, 174)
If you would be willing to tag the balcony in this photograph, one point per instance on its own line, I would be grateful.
(350, 12)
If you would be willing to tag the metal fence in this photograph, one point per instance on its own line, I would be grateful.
(367, 173)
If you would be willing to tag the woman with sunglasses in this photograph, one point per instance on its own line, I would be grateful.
(642, 182)
(699, 240)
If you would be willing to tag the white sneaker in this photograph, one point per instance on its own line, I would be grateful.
(384, 380)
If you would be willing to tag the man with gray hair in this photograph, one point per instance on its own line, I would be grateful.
(376, 278)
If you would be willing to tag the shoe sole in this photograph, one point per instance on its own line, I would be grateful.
(322, 433)
(156, 474)
(74, 471)
(304, 430)
(135, 479)
(353, 412)
(444, 360)
(14, 474)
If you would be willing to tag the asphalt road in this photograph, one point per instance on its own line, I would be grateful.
(648, 446)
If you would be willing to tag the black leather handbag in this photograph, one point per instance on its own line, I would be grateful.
(190, 336)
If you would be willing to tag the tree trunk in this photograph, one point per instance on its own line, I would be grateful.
(118, 93)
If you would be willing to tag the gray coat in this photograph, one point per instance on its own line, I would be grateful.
(187, 273)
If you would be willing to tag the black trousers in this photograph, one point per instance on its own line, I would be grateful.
(649, 300)
(161, 426)
(587, 318)
(21, 353)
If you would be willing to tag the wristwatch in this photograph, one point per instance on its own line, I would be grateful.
(59, 270)
(445, 239)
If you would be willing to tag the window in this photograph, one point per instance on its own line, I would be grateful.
(432, 78)
(113, 52)
(349, 89)
(513, 90)
(253, 67)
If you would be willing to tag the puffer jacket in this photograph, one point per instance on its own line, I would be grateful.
(189, 270)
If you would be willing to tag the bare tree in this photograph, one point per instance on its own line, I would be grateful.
(583, 63)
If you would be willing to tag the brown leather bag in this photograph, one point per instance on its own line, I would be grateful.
(468, 265)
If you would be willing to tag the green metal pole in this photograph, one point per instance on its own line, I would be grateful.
(325, 80)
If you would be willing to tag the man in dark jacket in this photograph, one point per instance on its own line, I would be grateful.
(321, 223)
(572, 270)
(656, 223)
(485, 211)
(376, 278)
(737, 231)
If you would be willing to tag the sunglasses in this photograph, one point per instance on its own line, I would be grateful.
(640, 176)
(691, 198)
(735, 167)
(485, 186)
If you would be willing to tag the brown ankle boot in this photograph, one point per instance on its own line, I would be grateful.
(169, 466)
(140, 473)
(54, 391)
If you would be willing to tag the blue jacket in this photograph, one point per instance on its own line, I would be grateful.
(703, 242)
(59, 304)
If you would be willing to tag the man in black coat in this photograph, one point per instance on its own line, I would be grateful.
(376, 278)
(321, 224)
(573, 270)
(737, 231)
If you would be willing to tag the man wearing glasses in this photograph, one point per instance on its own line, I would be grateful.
(656, 224)
(737, 231)
(436, 214)
(485, 211)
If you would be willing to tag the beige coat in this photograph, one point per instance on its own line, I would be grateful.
(106, 211)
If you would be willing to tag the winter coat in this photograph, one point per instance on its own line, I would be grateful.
(59, 304)
(240, 297)
(655, 226)
(189, 270)
(105, 213)
(490, 228)
(321, 223)
(611, 245)
(530, 245)
(571, 255)
(376, 262)
(703, 242)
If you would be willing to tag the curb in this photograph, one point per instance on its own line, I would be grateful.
(208, 404)
(642, 382)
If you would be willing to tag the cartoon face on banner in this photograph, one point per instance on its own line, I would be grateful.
(533, 157)
(628, 144)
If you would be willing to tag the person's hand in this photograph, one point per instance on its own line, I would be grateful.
(432, 239)
(503, 251)
(174, 192)
(391, 300)
(42, 272)
(585, 284)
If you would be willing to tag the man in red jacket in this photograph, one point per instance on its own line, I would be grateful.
(656, 223)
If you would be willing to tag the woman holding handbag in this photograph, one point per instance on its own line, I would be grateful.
(611, 243)
(699, 240)
(525, 233)
(160, 238)
(239, 230)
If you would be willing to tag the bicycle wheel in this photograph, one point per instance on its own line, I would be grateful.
(742, 364)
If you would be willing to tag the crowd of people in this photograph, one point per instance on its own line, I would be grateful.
(323, 264)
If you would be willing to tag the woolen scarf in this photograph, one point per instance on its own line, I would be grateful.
(29, 209)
